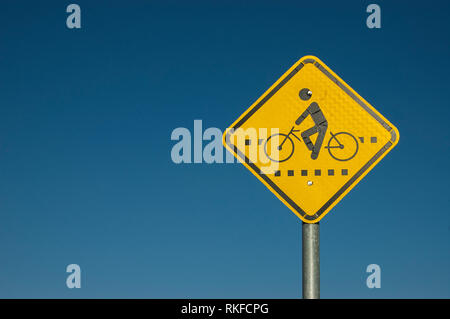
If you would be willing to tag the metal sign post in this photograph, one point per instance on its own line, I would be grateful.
(311, 261)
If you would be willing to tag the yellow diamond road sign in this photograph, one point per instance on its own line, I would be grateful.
(310, 138)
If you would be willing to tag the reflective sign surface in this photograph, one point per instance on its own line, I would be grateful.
(310, 138)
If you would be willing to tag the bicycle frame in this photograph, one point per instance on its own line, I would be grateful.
(291, 132)
(333, 136)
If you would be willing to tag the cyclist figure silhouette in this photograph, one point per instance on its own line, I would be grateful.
(320, 124)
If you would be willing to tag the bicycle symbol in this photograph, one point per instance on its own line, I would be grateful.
(341, 146)
(342, 149)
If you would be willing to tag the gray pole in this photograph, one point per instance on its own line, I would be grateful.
(311, 261)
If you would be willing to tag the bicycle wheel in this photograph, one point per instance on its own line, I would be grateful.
(277, 153)
(343, 146)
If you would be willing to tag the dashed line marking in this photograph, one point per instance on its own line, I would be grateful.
(316, 172)
(373, 140)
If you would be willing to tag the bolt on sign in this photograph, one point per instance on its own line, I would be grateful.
(310, 138)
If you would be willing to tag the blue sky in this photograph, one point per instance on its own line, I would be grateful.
(86, 175)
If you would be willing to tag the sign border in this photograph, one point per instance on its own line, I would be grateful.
(353, 180)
